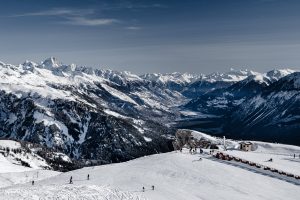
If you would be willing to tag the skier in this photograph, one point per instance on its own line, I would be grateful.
(152, 187)
(201, 151)
(143, 189)
(32, 182)
(71, 181)
(88, 177)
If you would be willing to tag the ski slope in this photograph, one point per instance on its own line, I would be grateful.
(175, 176)
(11, 170)
(8, 166)
(13, 178)
(282, 155)
(68, 192)
(12, 173)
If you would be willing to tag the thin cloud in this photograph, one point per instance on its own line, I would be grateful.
(141, 6)
(82, 12)
(80, 17)
(130, 5)
(133, 28)
(83, 21)
(57, 12)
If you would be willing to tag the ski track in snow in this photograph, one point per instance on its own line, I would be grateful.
(68, 192)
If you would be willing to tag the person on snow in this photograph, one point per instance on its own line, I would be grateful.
(71, 180)
(143, 189)
(294, 155)
(32, 182)
(152, 187)
(271, 160)
(88, 177)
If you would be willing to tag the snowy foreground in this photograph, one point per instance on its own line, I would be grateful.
(175, 175)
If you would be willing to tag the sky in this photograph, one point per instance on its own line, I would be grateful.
(147, 36)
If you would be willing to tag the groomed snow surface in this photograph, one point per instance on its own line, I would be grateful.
(174, 175)
(68, 192)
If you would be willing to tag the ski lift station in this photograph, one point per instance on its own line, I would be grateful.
(246, 146)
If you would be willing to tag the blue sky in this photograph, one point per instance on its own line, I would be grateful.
(196, 36)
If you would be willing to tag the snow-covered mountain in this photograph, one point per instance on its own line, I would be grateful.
(111, 116)
(84, 112)
(231, 76)
(262, 106)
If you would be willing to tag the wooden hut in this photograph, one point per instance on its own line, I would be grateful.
(246, 146)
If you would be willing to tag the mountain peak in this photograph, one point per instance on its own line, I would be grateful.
(51, 62)
(293, 79)
(29, 63)
(277, 74)
(2, 63)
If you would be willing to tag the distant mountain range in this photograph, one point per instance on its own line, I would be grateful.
(262, 106)
(111, 116)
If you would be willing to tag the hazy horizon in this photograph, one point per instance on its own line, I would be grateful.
(195, 73)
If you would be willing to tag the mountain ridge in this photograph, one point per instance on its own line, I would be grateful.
(115, 116)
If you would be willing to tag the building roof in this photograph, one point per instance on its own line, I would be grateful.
(246, 143)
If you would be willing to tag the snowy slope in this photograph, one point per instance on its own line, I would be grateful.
(21, 176)
(175, 176)
(282, 154)
(13, 172)
(20, 156)
(7, 166)
(11, 160)
(86, 192)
